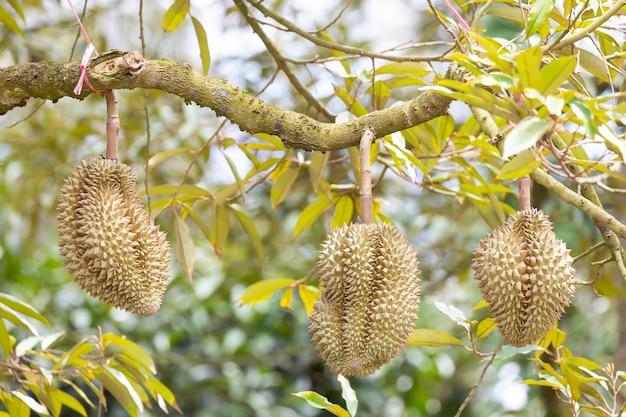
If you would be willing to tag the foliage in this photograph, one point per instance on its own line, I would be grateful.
(541, 95)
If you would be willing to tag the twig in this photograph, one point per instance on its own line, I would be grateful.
(480, 380)
(366, 196)
(113, 124)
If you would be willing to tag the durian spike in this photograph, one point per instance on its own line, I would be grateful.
(113, 124)
(366, 196)
(524, 193)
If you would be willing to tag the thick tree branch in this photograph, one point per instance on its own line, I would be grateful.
(120, 70)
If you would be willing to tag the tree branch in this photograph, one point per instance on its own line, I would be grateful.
(120, 70)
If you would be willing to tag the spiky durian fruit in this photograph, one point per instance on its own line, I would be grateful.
(109, 243)
(370, 300)
(525, 275)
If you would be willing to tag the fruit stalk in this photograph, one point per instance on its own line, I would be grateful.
(366, 196)
(113, 124)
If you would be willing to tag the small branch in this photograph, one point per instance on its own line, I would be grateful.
(113, 124)
(281, 62)
(366, 197)
(524, 193)
(479, 381)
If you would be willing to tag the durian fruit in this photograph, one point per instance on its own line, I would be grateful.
(370, 298)
(109, 243)
(526, 276)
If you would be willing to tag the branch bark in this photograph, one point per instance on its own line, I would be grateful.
(117, 70)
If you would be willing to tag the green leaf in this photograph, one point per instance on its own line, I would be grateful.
(309, 295)
(185, 248)
(5, 340)
(538, 17)
(522, 164)
(31, 403)
(21, 307)
(185, 189)
(286, 298)
(348, 394)
(344, 210)
(485, 328)
(582, 363)
(310, 214)
(415, 69)
(263, 290)
(556, 73)
(72, 358)
(524, 135)
(161, 393)
(131, 349)
(283, 184)
(433, 338)
(175, 14)
(203, 43)
(11, 316)
(318, 401)
(250, 228)
(122, 390)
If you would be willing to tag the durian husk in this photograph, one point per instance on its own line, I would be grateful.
(526, 276)
(369, 304)
(108, 242)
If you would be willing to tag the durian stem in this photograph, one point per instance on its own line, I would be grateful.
(366, 196)
(113, 123)
(524, 193)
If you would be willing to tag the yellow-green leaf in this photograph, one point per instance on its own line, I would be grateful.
(131, 349)
(416, 69)
(310, 214)
(72, 403)
(528, 65)
(118, 385)
(250, 228)
(233, 169)
(318, 401)
(286, 298)
(175, 14)
(21, 307)
(432, 337)
(185, 248)
(524, 135)
(203, 43)
(556, 73)
(485, 328)
(522, 164)
(263, 290)
(344, 210)
(308, 295)
(159, 157)
(283, 184)
(538, 17)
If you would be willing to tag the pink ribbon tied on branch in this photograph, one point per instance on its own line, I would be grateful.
(86, 56)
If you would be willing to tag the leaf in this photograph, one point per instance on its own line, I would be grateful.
(310, 214)
(528, 66)
(72, 403)
(250, 228)
(452, 312)
(485, 328)
(538, 17)
(263, 290)
(584, 113)
(162, 393)
(159, 157)
(21, 307)
(203, 43)
(286, 298)
(415, 69)
(433, 338)
(130, 349)
(522, 164)
(185, 189)
(10, 22)
(344, 210)
(556, 73)
(318, 401)
(220, 228)
(185, 249)
(233, 169)
(524, 135)
(175, 14)
(73, 356)
(118, 385)
(348, 394)
(31, 403)
(308, 295)
(283, 184)
(5, 340)
(11, 316)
